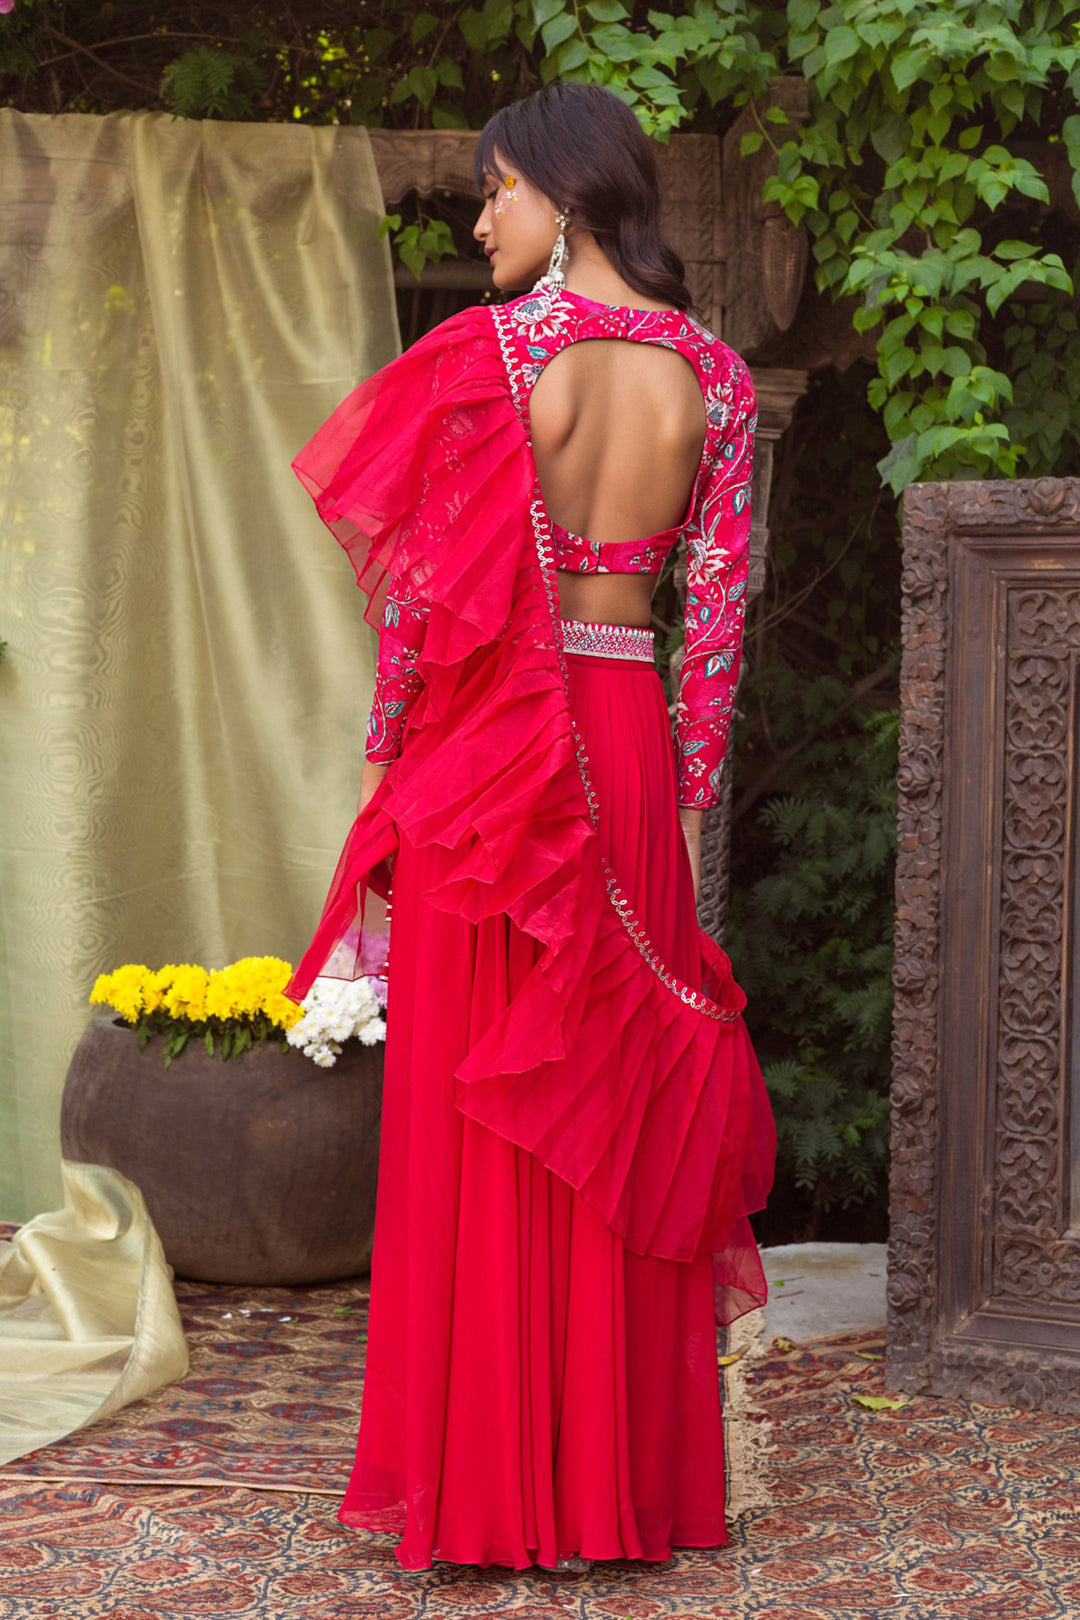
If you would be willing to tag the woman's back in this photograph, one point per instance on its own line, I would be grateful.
(618, 429)
(618, 424)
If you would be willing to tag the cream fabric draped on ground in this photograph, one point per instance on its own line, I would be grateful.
(184, 691)
(88, 1318)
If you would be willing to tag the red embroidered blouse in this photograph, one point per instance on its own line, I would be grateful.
(531, 331)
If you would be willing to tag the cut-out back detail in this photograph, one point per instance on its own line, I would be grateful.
(531, 331)
(618, 430)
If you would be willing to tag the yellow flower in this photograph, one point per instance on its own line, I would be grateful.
(242, 992)
(152, 996)
(221, 994)
(275, 1005)
(281, 1011)
(183, 990)
(251, 988)
(125, 990)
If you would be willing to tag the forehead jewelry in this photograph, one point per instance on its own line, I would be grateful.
(504, 202)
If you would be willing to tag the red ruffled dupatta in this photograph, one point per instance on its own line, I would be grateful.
(639, 1090)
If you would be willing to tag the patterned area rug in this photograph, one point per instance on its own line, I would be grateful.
(271, 1401)
(217, 1498)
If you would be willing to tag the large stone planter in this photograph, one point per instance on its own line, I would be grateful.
(259, 1170)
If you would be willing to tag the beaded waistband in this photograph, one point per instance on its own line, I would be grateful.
(607, 640)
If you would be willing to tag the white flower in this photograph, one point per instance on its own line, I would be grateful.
(336, 1010)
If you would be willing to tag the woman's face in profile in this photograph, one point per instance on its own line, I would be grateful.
(516, 228)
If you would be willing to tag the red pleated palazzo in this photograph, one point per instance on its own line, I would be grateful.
(533, 1389)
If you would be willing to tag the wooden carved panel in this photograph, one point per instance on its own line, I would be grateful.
(984, 1244)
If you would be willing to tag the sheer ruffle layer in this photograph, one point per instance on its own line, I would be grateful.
(652, 1107)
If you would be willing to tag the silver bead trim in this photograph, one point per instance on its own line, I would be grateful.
(608, 640)
(545, 552)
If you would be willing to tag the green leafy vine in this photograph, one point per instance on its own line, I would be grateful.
(923, 171)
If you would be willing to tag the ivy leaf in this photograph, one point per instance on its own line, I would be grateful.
(443, 117)
(803, 13)
(889, 136)
(422, 84)
(476, 30)
(617, 43)
(571, 55)
(956, 362)
(901, 465)
(560, 27)
(896, 408)
(1011, 97)
(422, 26)
(908, 65)
(1014, 250)
(841, 42)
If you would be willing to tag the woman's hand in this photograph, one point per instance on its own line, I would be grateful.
(690, 821)
(370, 781)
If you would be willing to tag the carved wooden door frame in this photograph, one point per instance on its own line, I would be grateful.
(984, 1243)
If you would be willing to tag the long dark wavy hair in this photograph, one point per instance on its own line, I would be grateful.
(583, 147)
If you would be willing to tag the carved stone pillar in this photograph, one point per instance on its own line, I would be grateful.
(766, 254)
(778, 392)
(984, 1237)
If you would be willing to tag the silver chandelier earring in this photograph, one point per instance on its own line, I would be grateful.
(555, 277)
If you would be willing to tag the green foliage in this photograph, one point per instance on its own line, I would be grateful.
(424, 241)
(920, 171)
(605, 42)
(814, 814)
(812, 938)
(915, 204)
(211, 83)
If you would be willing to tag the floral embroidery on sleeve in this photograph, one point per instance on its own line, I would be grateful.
(398, 681)
(717, 559)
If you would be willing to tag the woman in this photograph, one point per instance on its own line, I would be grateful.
(574, 1126)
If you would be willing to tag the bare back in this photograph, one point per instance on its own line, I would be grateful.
(618, 428)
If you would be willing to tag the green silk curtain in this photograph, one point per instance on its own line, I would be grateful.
(187, 675)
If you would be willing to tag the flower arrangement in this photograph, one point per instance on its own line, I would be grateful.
(240, 1006)
(334, 1010)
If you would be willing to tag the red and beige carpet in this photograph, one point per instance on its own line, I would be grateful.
(215, 1499)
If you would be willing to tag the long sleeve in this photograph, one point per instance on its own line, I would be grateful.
(717, 566)
(398, 681)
